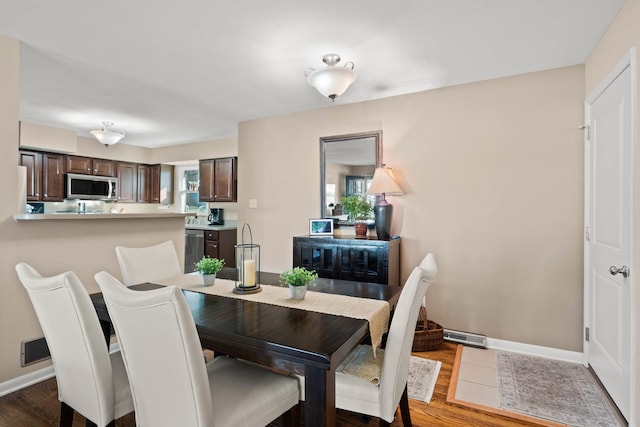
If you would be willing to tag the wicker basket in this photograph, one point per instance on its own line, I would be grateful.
(427, 338)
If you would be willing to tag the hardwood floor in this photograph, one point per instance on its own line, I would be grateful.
(38, 406)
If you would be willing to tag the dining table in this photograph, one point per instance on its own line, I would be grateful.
(287, 339)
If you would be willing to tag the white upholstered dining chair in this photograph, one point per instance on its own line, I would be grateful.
(147, 264)
(156, 328)
(382, 399)
(90, 380)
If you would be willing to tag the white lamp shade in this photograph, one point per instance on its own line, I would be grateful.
(106, 135)
(332, 81)
(384, 183)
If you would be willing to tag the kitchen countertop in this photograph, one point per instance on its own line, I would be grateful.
(210, 227)
(96, 215)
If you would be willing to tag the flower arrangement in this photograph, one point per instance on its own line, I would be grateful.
(298, 276)
(208, 265)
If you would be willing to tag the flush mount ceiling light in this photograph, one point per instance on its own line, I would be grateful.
(332, 81)
(106, 135)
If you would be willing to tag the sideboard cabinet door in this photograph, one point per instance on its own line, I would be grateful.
(348, 258)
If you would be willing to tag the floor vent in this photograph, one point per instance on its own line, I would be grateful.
(466, 338)
(34, 351)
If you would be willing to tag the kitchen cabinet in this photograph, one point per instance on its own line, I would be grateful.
(165, 187)
(32, 161)
(127, 174)
(136, 183)
(348, 258)
(45, 176)
(91, 166)
(144, 184)
(52, 177)
(221, 244)
(219, 180)
(155, 184)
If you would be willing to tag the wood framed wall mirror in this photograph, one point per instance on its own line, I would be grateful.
(347, 164)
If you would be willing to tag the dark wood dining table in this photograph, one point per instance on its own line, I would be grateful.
(288, 339)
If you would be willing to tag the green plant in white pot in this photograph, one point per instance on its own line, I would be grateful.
(209, 267)
(298, 279)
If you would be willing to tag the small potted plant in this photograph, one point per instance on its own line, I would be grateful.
(358, 209)
(208, 267)
(298, 279)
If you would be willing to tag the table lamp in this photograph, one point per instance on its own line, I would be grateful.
(383, 183)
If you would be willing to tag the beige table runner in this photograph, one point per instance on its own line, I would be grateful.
(376, 312)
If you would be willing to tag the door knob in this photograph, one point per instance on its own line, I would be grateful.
(624, 270)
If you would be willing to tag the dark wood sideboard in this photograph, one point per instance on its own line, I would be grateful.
(347, 258)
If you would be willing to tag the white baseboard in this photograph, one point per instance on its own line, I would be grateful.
(536, 350)
(492, 343)
(31, 378)
(35, 377)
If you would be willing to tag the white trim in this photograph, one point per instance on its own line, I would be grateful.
(629, 61)
(535, 350)
(635, 283)
(35, 377)
(31, 378)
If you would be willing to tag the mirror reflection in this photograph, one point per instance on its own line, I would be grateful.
(347, 164)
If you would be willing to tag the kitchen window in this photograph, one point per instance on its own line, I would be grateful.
(189, 186)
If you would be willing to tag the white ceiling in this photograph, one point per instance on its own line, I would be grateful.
(169, 72)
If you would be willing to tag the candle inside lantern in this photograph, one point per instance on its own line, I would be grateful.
(249, 270)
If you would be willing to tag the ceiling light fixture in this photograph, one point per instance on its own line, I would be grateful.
(331, 81)
(106, 135)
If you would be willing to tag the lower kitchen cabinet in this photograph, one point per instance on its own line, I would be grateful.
(348, 258)
(221, 244)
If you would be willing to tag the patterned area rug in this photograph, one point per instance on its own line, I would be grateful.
(553, 390)
(423, 373)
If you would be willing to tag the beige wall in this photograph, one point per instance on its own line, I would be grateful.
(493, 180)
(202, 150)
(83, 246)
(171, 154)
(622, 35)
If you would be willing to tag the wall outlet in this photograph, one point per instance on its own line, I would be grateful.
(253, 203)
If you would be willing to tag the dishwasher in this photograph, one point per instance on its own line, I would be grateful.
(194, 249)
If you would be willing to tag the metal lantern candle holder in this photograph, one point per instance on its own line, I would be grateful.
(247, 265)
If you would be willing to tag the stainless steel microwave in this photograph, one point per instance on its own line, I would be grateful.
(91, 187)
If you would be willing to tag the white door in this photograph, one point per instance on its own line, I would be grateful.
(609, 204)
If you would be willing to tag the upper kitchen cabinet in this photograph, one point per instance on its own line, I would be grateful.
(33, 162)
(144, 184)
(155, 184)
(45, 176)
(219, 180)
(165, 188)
(127, 174)
(90, 166)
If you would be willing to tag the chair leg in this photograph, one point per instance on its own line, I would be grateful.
(291, 418)
(404, 408)
(66, 415)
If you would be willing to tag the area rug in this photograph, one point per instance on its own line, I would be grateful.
(557, 391)
(423, 373)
